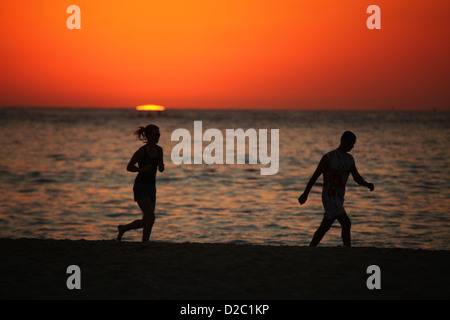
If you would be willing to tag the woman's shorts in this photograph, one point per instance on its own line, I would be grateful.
(143, 190)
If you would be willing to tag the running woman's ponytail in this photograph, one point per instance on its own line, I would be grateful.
(143, 132)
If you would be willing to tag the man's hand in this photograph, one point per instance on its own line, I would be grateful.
(370, 186)
(302, 199)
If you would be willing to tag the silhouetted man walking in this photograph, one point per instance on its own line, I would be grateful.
(335, 166)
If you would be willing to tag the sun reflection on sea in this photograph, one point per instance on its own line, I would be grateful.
(68, 179)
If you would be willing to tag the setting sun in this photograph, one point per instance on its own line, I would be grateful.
(150, 107)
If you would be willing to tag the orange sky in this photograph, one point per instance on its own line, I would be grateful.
(309, 54)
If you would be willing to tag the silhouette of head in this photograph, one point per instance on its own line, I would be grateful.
(348, 140)
(149, 133)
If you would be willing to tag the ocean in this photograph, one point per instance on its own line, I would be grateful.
(63, 176)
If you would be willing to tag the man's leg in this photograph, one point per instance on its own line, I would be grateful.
(346, 224)
(323, 228)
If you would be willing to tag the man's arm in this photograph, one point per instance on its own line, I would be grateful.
(323, 165)
(360, 180)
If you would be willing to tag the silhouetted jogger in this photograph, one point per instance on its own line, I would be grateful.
(149, 158)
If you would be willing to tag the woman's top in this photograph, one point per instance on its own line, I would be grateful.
(148, 177)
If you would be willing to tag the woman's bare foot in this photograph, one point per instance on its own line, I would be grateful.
(121, 232)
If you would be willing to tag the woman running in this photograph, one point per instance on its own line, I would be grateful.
(149, 158)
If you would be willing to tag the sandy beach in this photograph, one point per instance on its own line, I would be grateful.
(36, 269)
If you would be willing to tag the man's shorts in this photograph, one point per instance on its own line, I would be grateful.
(333, 207)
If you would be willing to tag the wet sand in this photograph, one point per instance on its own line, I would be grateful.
(36, 269)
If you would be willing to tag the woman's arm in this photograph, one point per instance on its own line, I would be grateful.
(132, 163)
(161, 161)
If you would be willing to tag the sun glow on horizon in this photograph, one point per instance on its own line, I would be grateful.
(150, 107)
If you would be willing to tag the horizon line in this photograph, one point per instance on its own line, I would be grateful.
(392, 109)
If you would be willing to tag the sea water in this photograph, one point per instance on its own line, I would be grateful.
(63, 176)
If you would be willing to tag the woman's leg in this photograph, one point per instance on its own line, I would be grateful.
(148, 209)
(136, 224)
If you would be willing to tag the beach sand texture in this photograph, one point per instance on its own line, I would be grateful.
(36, 269)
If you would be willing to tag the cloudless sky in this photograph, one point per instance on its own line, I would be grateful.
(281, 54)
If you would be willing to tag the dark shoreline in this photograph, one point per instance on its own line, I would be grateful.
(36, 269)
